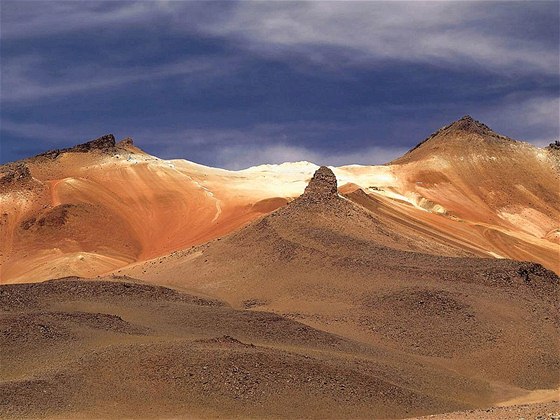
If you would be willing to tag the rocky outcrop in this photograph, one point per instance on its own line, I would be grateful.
(555, 145)
(553, 150)
(323, 186)
(17, 173)
(104, 143)
(127, 141)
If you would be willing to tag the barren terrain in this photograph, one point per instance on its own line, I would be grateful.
(94, 208)
(424, 287)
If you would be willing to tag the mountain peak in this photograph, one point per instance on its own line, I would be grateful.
(470, 125)
(104, 143)
(460, 129)
(127, 141)
(322, 186)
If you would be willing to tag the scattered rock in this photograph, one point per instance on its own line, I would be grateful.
(253, 303)
(555, 145)
(469, 124)
(17, 173)
(55, 217)
(531, 272)
(127, 141)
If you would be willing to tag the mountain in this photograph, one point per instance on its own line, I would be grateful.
(329, 263)
(102, 205)
(318, 309)
(473, 173)
(281, 290)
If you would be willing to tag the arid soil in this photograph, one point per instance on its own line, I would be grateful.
(73, 348)
(536, 411)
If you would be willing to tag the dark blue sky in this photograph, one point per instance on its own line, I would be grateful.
(234, 84)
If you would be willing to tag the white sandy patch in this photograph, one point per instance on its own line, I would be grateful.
(528, 220)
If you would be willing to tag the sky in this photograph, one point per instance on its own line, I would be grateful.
(235, 84)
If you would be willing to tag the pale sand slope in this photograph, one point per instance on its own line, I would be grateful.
(333, 265)
(90, 210)
(537, 411)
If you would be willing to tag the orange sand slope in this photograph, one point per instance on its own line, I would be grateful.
(100, 206)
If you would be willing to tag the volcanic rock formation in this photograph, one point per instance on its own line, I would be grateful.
(323, 186)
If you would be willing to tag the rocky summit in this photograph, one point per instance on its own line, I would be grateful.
(322, 186)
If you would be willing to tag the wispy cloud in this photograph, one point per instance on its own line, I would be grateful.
(436, 32)
(24, 19)
(242, 83)
(23, 77)
(329, 33)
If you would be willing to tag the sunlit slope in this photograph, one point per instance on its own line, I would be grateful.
(99, 206)
(473, 173)
(475, 238)
(499, 195)
(330, 263)
(88, 213)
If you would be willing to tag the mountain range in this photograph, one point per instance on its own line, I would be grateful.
(102, 205)
(426, 285)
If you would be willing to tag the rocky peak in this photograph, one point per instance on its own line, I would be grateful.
(104, 143)
(458, 129)
(322, 186)
(470, 125)
(127, 141)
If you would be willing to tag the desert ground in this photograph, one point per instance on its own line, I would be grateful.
(138, 287)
